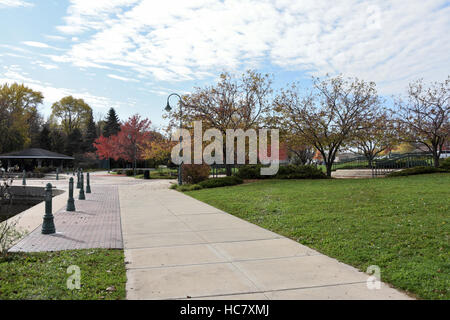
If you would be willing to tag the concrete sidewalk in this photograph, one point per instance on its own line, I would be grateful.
(177, 247)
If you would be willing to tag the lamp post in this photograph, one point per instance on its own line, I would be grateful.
(168, 108)
(134, 155)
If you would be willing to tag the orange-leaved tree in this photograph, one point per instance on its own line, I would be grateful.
(129, 143)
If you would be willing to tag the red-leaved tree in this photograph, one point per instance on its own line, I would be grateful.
(129, 143)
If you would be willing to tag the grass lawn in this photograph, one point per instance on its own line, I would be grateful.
(400, 224)
(43, 275)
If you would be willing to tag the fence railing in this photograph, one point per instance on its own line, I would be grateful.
(397, 162)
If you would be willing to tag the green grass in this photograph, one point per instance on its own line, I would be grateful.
(400, 224)
(43, 275)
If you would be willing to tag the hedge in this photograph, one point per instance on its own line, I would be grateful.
(284, 172)
(414, 171)
(220, 182)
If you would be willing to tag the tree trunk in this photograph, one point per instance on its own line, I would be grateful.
(228, 170)
(370, 161)
(329, 166)
(435, 159)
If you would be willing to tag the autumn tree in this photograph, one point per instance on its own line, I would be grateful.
(19, 116)
(329, 115)
(230, 104)
(299, 152)
(424, 116)
(375, 136)
(157, 147)
(71, 113)
(129, 143)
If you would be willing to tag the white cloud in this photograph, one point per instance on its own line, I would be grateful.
(44, 65)
(113, 76)
(15, 3)
(36, 44)
(51, 93)
(387, 42)
(53, 37)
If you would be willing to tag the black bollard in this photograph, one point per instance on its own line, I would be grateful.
(78, 180)
(88, 183)
(24, 178)
(71, 201)
(48, 226)
(57, 173)
(81, 195)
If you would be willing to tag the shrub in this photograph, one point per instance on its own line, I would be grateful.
(129, 172)
(415, 170)
(44, 170)
(9, 235)
(251, 171)
(300, 172)
(173, 186)
(195, 173)
(189, 187)
(284, 172)
(445, 164)
(221, 182)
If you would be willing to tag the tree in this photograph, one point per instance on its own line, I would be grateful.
(327, 117)
(424, 117)
(129, 143)
(72, 113)
(74, 142)
(18, 110)
(158, 147)
(90, 135)
(377, 135)
(45, 141)
(58, 140)
(112, 126)
(230, 104)
(35, 123)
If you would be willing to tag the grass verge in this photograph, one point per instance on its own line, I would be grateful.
(401, 224)
(43, 275)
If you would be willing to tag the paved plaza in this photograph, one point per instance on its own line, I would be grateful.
(177, 247)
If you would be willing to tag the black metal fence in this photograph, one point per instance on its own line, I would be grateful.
(381, 167)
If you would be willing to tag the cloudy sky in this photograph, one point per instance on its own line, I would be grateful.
(130, 54)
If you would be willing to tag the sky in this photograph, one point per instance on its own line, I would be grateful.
(131, 54)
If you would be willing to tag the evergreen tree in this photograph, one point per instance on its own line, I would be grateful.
(45, 141)
(90, 135)
(112, 126)
(74, 142)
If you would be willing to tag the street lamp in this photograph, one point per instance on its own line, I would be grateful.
(134, 157)
(168, 108)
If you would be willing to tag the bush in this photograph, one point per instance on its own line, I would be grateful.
(189, 187)
(284, 172)
(415, 170)
(44, 170)
(129, 172)
(221, 182)
(445, 164)
(195, 173)
(251, 171)
(300, 172)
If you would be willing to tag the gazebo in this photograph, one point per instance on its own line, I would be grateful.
(35, 157)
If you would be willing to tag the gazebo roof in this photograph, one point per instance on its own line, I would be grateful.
(35, 153)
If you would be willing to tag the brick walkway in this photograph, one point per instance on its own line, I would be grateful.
(95, 224)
